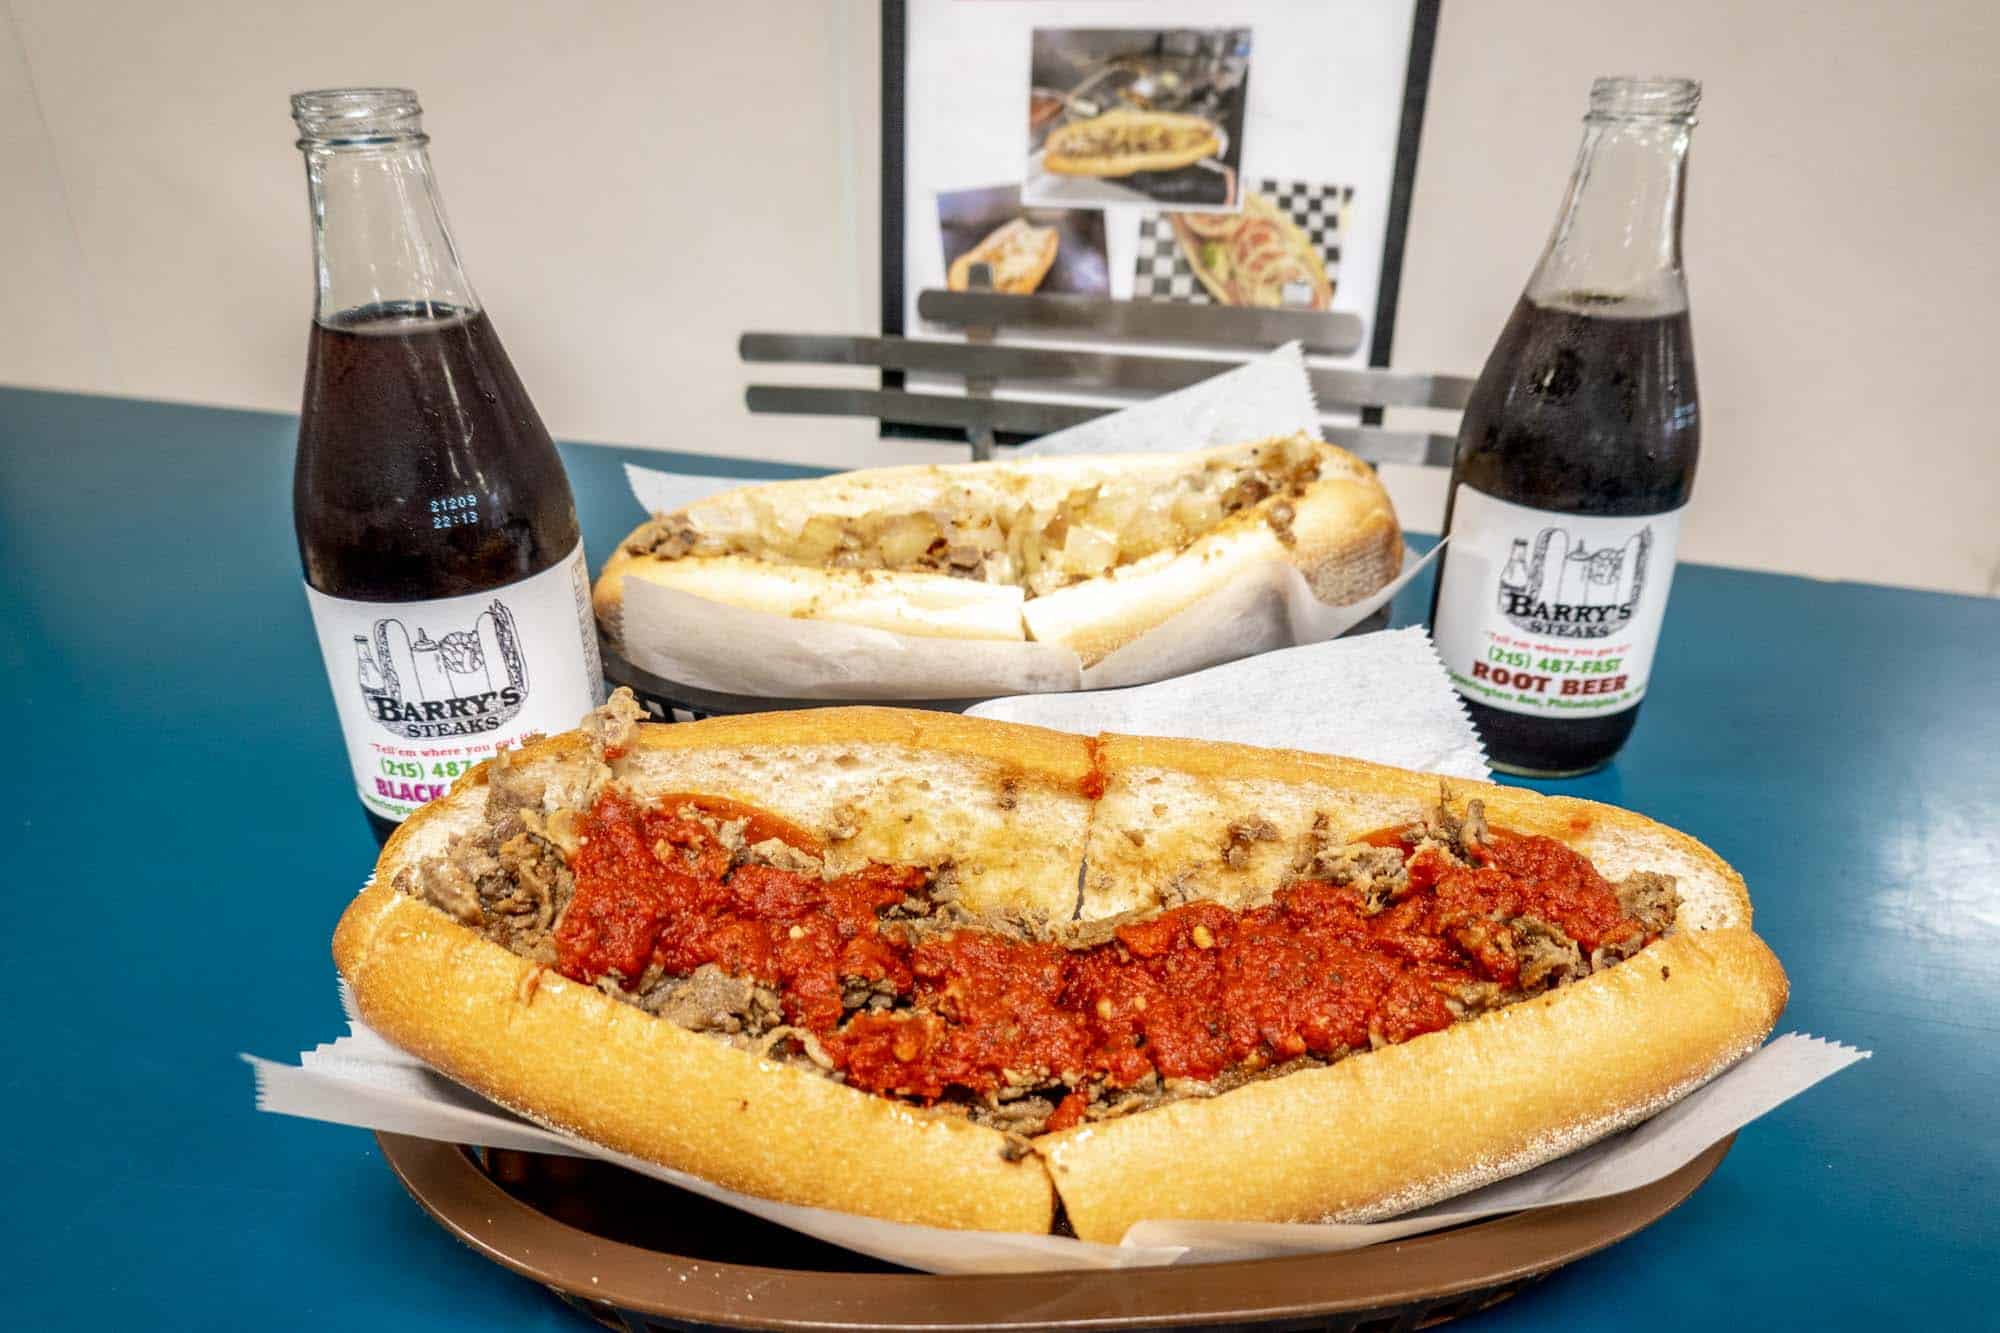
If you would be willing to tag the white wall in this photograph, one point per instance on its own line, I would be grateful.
(631, 185)
(634, 184)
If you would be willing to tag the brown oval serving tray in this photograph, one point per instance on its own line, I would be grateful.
(634, 1253)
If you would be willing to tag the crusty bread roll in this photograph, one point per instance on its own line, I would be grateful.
(1056, 841)
(1088, 552)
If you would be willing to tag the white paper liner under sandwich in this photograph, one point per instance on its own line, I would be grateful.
(710, 645)
(363, 1081)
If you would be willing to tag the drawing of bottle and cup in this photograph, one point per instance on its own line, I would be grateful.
(481, 665)
(1559, 570)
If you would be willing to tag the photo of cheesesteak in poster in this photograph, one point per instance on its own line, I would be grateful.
(1025, 250)
(1135, 116)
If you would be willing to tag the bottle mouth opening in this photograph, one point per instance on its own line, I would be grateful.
(1626, 97)
(344, 117)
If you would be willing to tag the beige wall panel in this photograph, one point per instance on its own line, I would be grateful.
(634, 184)
(631, 184)
(1839, 244)
(50, 334)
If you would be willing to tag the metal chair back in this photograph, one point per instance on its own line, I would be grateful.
(982, 365)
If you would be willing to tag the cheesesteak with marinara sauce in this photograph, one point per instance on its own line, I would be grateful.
(1093, 951)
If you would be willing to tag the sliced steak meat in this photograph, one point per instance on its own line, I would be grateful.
(1376, 873)
(781, 854)
(858, 993)
(1548, 956)
(511, 787)
(1458, 837)
(665, 538)
(445, 885)
(525, 892)
(1025, 1116)
(615, 725)
(710, 1000)
(1242, 835)
(1649, 898)
(783, 1041)
(1468, 998)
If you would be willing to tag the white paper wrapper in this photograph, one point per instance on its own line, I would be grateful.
(1383, 697)
(362, 1080)
(710, 646)
(1256, 400)
(713, 646)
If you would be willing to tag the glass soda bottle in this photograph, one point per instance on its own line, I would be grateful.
(443, 562)
(1576, 454)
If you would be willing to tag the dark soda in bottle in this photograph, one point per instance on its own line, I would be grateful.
(1576, 454)
(443, 563)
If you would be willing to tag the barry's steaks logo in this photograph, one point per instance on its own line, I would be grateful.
(1562, 589)
(462, 683)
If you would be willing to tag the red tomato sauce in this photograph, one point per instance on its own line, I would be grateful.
(1190, 993)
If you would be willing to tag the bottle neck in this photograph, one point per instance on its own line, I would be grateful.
(381, 249)
(1618, 239)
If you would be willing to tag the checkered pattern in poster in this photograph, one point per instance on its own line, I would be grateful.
(1161, 271)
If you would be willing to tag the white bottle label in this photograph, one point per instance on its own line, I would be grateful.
(1552, 614)
(426, 690)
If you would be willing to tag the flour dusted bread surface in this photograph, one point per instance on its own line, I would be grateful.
(1050, 833)
(1086, 551)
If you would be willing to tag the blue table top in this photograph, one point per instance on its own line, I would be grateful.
(1839, 743)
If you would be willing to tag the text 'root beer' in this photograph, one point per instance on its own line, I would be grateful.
(1576, 455)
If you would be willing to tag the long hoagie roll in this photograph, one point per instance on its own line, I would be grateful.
(1088, 552)
(950, 971)
(1126, 140)
(1019, 254)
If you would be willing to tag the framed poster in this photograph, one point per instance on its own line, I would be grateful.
(1258, 153)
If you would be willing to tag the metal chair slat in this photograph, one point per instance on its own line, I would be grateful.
(981, 364)
(1332, 332)
(1111, 371)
